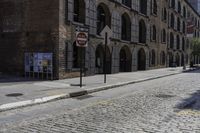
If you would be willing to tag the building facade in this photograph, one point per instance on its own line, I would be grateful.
(147, 34)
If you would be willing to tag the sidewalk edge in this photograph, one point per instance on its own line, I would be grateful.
(15, 105)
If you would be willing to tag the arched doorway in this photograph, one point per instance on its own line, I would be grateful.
(153, 58)
(171, 61)
(99, 60)
(162, 58)
(125, 59)
(141, 59)
(177, 60)
(182, 60)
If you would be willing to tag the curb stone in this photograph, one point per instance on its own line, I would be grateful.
(15, 105)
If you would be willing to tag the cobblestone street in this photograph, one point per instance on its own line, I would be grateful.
(166, 105)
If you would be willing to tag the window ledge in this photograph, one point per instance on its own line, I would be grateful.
(125, 6)
(144, 44)
(125, 41)
(77, 23)
(153, 14)
(144, 15)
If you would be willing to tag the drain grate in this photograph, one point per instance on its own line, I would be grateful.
(84, 97)
(164, 96)
(77, 85)
(14, 94)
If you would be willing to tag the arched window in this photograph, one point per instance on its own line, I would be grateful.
(184, 12)
(154, 33)
(163, 36)
(79, 11)
(126, 2)
(171, 40)
(126, 27)
(173, 4)
(142, 32)
(143, 7)
(165, 14)
(154, 7)
(172, 20)
(179, 7)
(177, 42)
(103, 17)
(178, 24)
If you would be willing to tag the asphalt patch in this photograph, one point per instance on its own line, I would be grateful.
(165, 96)
(14, 95)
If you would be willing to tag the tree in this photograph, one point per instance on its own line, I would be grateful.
(195, 47)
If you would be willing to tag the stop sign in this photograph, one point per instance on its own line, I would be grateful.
(81, 39)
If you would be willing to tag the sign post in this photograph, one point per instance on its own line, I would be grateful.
(106, 34)
(81, 42)
(106, 37)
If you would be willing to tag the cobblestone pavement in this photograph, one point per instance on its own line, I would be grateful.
(167, 105)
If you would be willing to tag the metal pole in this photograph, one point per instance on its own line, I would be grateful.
(106, 37)
(81, 67)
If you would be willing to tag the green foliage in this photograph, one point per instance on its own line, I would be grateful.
(196, 46)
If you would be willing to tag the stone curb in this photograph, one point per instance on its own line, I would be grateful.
(15, 105)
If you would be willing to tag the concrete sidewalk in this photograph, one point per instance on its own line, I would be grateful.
(36, 92)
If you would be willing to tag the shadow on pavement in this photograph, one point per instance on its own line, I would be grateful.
(191, 103)
(193, 70)
(13, 78)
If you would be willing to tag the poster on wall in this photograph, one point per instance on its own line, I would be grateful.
(35, 62)
(38, 62)
(27, 62)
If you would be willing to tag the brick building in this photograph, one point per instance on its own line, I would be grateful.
(147, 34)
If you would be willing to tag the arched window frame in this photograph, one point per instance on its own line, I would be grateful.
(163, 36)
(154, 33)
(142, 31)
(143, 7)
(79, 12)
(125, 27)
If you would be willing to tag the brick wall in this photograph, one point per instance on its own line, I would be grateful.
(27, 26)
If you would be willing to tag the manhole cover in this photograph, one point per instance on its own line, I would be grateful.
(164, 96)
(14, 94)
